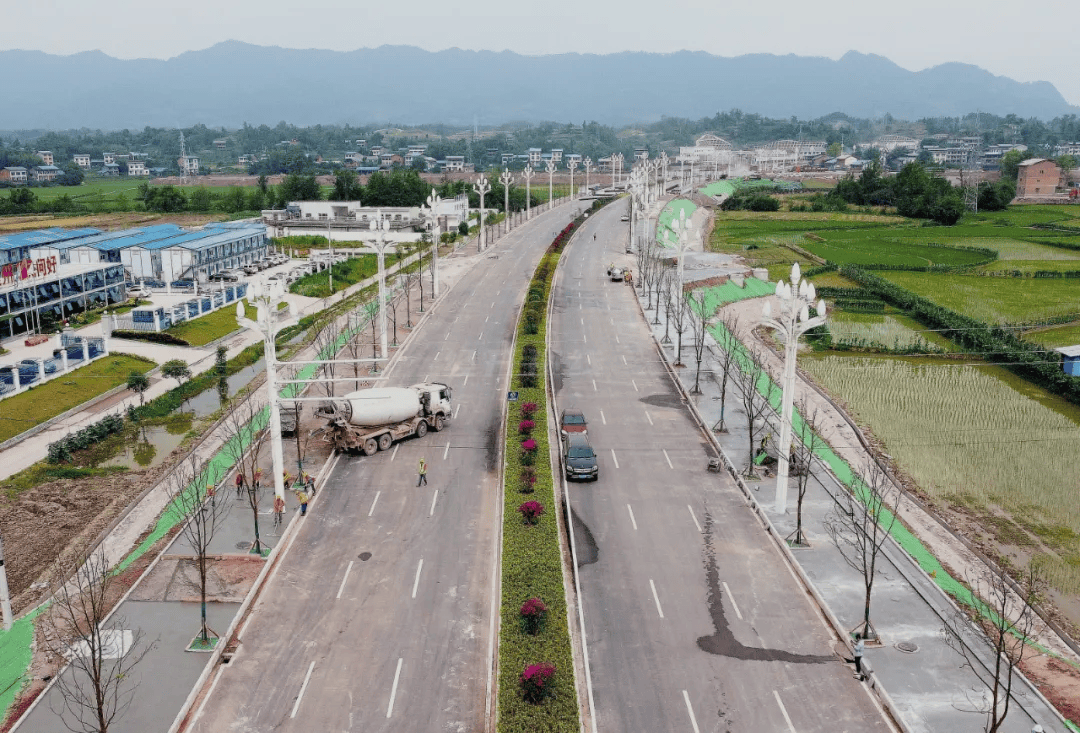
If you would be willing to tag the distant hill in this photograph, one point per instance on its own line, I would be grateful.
(232, 83)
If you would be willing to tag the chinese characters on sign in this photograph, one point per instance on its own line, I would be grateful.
(27, 269)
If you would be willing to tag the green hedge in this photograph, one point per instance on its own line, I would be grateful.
(154, 337)
(531, 556)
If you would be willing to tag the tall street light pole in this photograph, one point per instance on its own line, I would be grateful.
(793, 321)
(588, 169)
(482, 187)
(433, 202)
(551, 173)
(506, 179)
(268, 321)
(571, 165)
(680, 237)
(527, 174)
(379, 228)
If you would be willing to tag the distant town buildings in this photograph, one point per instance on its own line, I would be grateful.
(1038, 178)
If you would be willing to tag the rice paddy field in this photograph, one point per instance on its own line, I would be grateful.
(885, 331)
(975, 437)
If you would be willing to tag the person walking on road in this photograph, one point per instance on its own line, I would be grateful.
(279, 510)
(239, 484)
(303, 499)
(309, 483)
(211, 492)
(256, 479)
(857, 650)
(422, 473)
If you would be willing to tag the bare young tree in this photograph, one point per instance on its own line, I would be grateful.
(353, 346)
(680, 316)
(806, 441)
(859, 524)
(756, 391)
(245, 429)
(192, 495)
(326, 339)
(98, 685)
(1004, 621)
(727, 361)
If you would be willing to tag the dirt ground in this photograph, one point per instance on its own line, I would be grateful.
(119, 220)
(176, 578)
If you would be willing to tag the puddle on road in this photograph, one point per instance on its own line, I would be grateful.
(585, 543)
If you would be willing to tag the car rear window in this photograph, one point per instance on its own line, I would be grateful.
(574, 420)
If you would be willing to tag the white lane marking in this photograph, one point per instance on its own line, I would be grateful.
(474, 355)
(631, 382)
(373, 503)
(416, 583)
(584, 338)
(393, 690)
(446, 336)
(624, 361)
(614, 458)
(694, 517)
(347, 571)
(648, 417)
(732, 599)
(492, 304)
(486, 319)
(582, 321)
(457, 411)
(299, 697)
(481, 336)
(609, 306)
(690, 709)
(588, 359)
(497, 293)
(433, 498)
(656, 598)
(436, 356)
(466, 380)
(427, 378)
(393, 455)
(784, 711)
(617, 339)
(612, 321)
(579, 304)
(632, 520)
(604, 419)
(594, 385)
(446, 451)
(667, 457)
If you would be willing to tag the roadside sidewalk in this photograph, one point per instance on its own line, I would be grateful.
(925, 682)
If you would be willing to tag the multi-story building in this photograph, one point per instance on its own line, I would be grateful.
(13, 174)
(46, 157)
(220, 143)
(44, 173)
(1038, 177)
(454, 163)
(137, 168)
(83, 161)
(536, 156)
(556, 155)
(108, 157)
(950, 156)
(349, 220)
(189, 165)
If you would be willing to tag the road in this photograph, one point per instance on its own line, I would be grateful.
(693, 620)
(379, 617)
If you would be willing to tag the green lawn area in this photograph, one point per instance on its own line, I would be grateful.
(1052, 338)
(346, 273)
(23, 411)
(91, 190)
(201, 331)
(994, 300)
(878, 248)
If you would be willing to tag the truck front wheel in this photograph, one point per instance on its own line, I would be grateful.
(370, 447)
(421, 429)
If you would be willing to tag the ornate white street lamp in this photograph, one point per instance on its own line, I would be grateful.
(268, 321)
(571, 165)
(616, 166)
(793, 321)
(506, 179)
(432, 214)
(550, 172)
(380, 228)
(527, 174)
(679, 236)
(663, 173)
(588, 169)
(482, 187)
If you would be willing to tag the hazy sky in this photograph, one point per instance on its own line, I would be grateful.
(1027, 43)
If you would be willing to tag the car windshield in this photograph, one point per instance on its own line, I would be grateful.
(580, 452)
(573, 419)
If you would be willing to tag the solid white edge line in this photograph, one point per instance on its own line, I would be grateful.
(648, 417)
(343, 580)
(604, 419)
(393, 689)
(668, 459)
(393, 453)
(300, 696)
(614, 458)
(690, 709)
(656, 598)
(373, 503)
(731, 597)
(632, 520)
(446, 451)
(694, 517)
(784, 711)
(433, 498)
(416, 582)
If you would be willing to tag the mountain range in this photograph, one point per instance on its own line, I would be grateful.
(232, 82)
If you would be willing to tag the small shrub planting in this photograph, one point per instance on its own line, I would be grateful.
(533, 612)
(528, 479)
(527, 409)
(535, 682)
(525, 427)
(531, 511)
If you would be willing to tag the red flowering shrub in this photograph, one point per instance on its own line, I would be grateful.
(532, 615)
(528, 445)
(525, 427)
(531, 511)
(535, 681)
(528, 479)
(527, 409)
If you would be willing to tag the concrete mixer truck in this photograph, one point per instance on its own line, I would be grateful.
(371, 420)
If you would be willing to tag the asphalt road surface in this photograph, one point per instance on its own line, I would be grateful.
(379, 617)
(692, 618)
